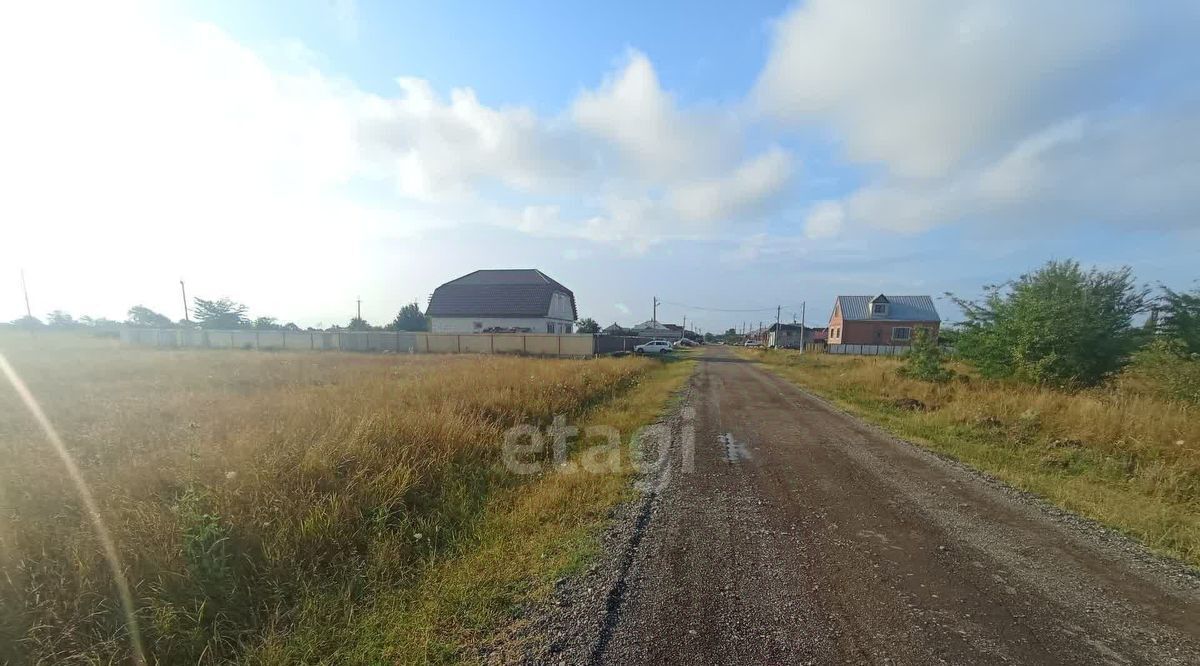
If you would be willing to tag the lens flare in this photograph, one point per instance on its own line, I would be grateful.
(110, 549)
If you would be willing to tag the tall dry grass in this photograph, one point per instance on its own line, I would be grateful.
(1129, 459)
(242, 486)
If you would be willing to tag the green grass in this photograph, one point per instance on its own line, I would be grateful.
(528, 537)
(290, 507)
(1128, 460)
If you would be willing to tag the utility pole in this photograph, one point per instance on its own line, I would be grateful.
(25, 289)
(358, 313)
(779, 332)
(803, 304)
(183, 290)
(654, 313)
(683, 330)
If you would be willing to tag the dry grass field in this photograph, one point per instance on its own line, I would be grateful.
(1125, 458)
(280, 507)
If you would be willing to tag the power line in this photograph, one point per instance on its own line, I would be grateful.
(697, 307)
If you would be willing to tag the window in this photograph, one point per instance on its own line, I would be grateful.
(879, 308)
(549, 327)
(901, 333)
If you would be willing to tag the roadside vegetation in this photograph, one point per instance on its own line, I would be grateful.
(1054, 388)
(283, 508)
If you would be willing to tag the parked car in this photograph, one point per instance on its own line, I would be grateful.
(653, 347)
(752, 343)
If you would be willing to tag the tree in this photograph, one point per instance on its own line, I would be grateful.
(924, 359)
(1180, 318)
(266, 324)
(1059, 325)
(290, 327)
(410, 318)
(60, 319)
(587, 325)
(99, 322)
(359, 324)
(28, 322)
(140, 315)
(221, 313)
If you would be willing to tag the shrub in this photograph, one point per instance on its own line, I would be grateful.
(924, 360)
(1058, 326)
(1166, 369)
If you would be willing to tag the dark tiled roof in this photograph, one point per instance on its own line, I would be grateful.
(498, 293)
(900, 308)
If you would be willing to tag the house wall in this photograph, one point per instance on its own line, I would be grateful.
(560, 307)
(835, 326)
(467, 324)
(784, 338)
(876, 332)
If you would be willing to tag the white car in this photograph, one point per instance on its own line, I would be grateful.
(653, 347)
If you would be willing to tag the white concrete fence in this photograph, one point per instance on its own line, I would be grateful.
(539, 344)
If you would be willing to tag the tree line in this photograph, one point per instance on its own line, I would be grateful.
(221, 313)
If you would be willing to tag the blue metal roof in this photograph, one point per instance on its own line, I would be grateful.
(900, 308)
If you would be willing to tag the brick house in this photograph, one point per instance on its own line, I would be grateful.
(881, 320)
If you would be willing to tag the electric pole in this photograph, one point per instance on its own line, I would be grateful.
(183, 291)
(779, 332)
(654, 313)
(803, 304)
(683, 330)
(25, 289)
(358, 312)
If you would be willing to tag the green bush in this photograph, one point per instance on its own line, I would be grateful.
(1058, 326)
(1166, 368)
(924, 359)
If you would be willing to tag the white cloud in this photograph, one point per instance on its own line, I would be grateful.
(996, 113)
(444, 149)
(924, 85)
(824, 220)
(754, 183)
(640, 168)
(652, 135)
(1133, 170)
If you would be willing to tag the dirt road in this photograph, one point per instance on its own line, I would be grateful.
(804, 536)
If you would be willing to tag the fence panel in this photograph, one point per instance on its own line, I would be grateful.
(865, 350)
(545, 344)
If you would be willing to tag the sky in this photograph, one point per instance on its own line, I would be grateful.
(726, 158)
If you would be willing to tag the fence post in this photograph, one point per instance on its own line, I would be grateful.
(458, 343)
(559, 338)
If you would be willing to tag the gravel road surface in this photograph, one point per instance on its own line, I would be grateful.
(803, 536)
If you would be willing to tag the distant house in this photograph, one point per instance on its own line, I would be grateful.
(525, 300)
(881, 320)
(791, 336)
(656, 329)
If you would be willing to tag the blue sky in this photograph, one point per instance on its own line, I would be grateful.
(726, 156)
